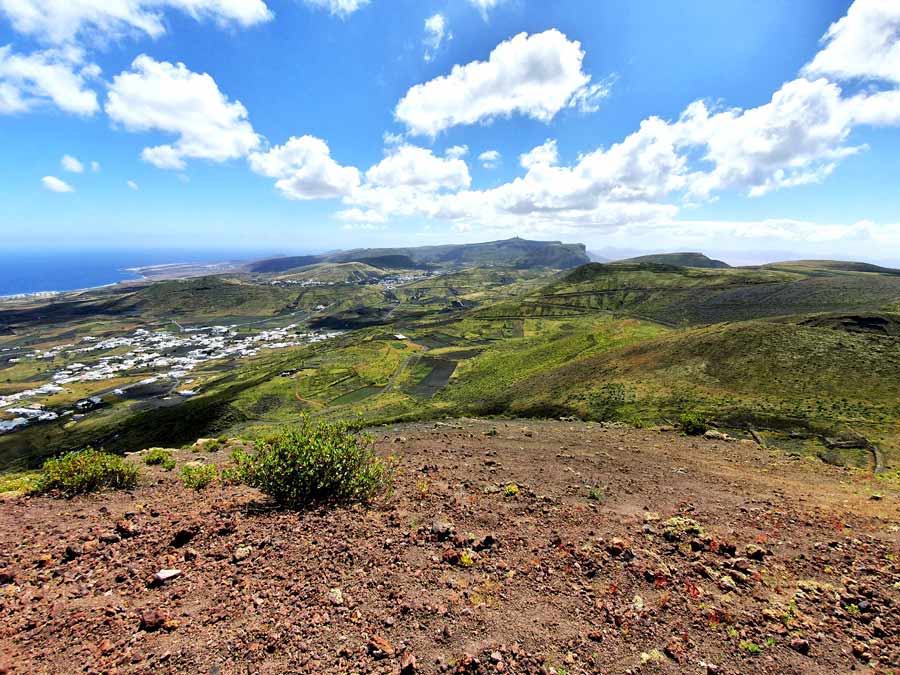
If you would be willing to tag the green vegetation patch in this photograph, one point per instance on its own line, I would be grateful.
(315, 462)
(86, 471)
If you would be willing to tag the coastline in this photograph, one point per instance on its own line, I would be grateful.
(50, 294)
(142, 273)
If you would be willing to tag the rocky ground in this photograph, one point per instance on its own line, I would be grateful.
(507, 547)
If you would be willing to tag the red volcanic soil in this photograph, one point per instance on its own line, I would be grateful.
(620, 551)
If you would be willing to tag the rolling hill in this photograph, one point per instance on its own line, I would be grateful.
(680, 260)
(515, 252)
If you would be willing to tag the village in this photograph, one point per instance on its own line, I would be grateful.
(166, 359)
(387, 282)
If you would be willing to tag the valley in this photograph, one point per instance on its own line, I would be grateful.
(799, 353)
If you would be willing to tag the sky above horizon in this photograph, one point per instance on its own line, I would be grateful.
(748, 130)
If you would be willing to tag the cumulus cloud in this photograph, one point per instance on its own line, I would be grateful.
(532, 75)
(435, 33)
(305, 169)
(457, 151)
(546, 153)
(794, 139)
(54, 184)
(490, 159)
(62, 21)
(413, 166)
(160, 96)
(863, 44)
(341, 8)
(71, 164)
(55, 76)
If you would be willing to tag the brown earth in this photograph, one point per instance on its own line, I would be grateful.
(770, 565)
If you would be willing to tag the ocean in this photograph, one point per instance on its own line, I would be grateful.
(34, 270)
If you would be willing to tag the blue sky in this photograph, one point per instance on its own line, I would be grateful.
(745, 129)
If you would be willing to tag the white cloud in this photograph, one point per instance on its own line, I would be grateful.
(531, 75)
(545, 153)
(457, 151)
(54, 76)
(341, 8)
(490, 159)
(413, 166)
(794, 139)
(71, 164)
(484, 6)
(392, 139)
(305, 170)
(131, 184)
(863, 44)
(160, 96)
(54, 184)
(62, 21)
(435, 32)
(95, 167)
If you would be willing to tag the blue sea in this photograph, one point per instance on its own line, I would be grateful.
(33, 270)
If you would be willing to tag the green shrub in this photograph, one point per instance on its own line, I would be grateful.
(159, 457)
(86, 471)
(694, 424)
(315, 462)
(596, 494)
(198, 477)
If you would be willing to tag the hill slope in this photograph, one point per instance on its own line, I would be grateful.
(622, 550)
(681, 260)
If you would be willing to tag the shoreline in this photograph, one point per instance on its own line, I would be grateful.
(140, 274)
(51, 294)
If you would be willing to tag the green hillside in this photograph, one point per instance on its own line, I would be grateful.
(516, 252)
(680, 296)
(335, 273)
(680, 260)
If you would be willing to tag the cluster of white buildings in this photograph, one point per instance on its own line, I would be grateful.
(161, 355)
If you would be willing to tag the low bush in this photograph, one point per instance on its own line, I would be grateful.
(86, 471)
(315, 462)
(159, 457)
(694, 424)
(199, 476)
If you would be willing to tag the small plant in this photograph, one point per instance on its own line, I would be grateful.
(751, 648)
(159, 457)
(198, 477)
(19, 482)
(422, 486)
(86, 471)
(732, 631)
(693, 424)
(466, 559)
(596, 494)
(511, 490)
(315, 462)
(769, 641)
(852, 609)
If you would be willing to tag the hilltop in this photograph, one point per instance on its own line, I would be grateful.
(515, 252)
(680, 260)
(618, 549)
